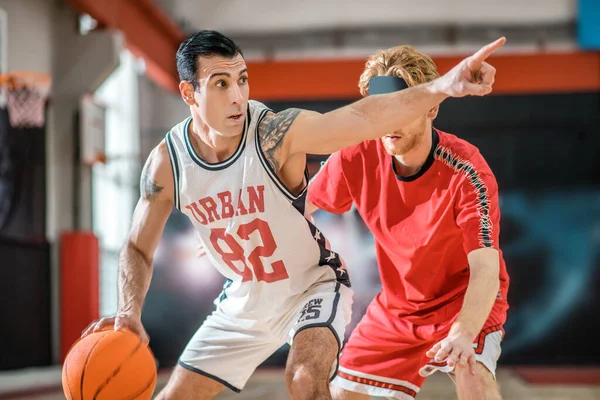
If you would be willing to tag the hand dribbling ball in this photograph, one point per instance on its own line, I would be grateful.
(109, 365)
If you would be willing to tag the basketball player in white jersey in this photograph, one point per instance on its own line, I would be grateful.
(238, 171)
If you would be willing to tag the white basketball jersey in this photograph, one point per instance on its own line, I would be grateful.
(253, 228)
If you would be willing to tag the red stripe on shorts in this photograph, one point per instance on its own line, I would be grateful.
(483, 334)
(384, 385)
(438, 364)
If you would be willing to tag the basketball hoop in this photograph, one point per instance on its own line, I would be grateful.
(25, 94)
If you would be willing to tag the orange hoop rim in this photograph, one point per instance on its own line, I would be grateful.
(99, 158)
(25, 79)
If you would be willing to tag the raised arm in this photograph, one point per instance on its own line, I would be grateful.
(376, 116)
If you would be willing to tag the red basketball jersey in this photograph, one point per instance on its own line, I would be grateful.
(424, 225)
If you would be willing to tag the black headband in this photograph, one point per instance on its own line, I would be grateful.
(386, 84)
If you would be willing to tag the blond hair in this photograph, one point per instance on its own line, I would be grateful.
(401, 61)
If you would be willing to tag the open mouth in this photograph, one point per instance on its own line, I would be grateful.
(235, 117)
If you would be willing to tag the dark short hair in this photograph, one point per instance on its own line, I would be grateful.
(203, 43)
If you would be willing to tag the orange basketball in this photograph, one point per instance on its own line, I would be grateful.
(109, 365)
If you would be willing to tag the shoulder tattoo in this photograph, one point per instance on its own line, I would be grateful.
(272, 130)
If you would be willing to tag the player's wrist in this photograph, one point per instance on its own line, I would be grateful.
(463, 329)
(131, 311)
(438, 87)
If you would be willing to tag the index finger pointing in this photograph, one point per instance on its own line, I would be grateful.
(482, 54)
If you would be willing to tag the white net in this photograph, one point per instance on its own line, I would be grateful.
(26, 107)
(26, 96)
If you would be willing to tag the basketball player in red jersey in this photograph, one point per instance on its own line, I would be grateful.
(237, 171)
(431, 202)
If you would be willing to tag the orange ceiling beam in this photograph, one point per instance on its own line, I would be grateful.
(338, 79)
(150, 34)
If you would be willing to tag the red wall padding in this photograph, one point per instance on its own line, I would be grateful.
(79, 286)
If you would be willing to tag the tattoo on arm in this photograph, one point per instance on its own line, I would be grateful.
(149, 190)
(272, 130)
